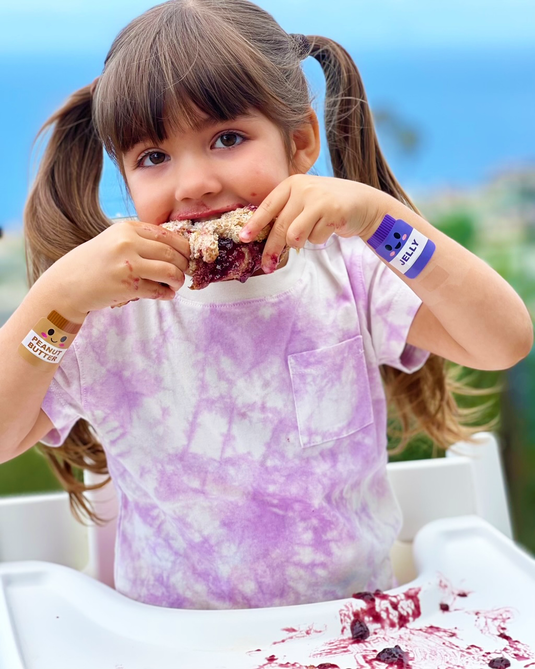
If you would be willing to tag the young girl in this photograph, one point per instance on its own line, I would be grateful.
(243, 425)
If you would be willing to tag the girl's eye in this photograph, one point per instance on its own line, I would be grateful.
(228, 139)
(152, 158)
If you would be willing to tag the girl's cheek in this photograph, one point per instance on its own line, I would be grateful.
(264, 181)
(147, 207)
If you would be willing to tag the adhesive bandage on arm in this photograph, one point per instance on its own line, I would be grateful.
(47, 342)
(402, 246)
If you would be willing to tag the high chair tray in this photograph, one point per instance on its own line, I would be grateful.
(473, 602)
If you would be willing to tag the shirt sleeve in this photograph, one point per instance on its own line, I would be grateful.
(63, 402)
(391, 308)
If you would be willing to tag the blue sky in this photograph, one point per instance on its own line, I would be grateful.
(89, 26)
(49, 48)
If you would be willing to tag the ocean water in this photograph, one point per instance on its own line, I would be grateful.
(472, 113)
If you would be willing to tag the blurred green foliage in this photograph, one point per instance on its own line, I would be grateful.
(422, 447)
(29, 473)
(460, 226)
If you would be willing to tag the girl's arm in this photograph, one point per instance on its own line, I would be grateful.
(469, 315)
(126, 262)
(24, 385)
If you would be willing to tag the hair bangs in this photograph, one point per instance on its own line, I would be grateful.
(190, 70)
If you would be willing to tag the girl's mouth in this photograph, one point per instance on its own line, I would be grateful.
(204, 215)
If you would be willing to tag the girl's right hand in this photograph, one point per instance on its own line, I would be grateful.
(127, 261)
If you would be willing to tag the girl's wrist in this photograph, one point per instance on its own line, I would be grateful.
(54, 298)
(399, 242)
(378, 204)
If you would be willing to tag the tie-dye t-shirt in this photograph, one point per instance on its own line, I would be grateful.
(245, 431)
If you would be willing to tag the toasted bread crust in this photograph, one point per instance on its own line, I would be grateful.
(204, 236)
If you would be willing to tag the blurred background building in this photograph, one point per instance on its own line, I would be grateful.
(452, 90)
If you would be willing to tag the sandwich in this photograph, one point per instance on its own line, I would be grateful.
(217, 254)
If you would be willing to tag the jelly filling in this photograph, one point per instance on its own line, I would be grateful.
(235, 261)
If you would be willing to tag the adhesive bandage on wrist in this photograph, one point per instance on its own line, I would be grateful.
(47, 342)
(402, 246)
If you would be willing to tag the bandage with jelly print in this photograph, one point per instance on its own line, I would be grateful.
(402, 246)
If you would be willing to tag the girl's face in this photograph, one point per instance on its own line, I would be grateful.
(199, 173)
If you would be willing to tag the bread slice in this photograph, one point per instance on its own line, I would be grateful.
(217, 254)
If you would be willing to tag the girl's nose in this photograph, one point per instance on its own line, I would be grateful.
(195, 179)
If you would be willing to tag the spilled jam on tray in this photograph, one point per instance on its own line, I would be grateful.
(359, 630)
(499, 663)
(393, 656)
(380, 630)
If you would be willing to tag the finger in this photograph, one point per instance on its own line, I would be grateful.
(277, 239)
(143, 289)
(302, 227)
(322, 231)
(266, 212)
(152, 250)
(156, 233)
(161, 272)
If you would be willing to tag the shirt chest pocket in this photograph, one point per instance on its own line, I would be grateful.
(331, 392)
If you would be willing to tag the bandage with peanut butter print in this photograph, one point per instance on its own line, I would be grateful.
(402, 246)
(47, 342)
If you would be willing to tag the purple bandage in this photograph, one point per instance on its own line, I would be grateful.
(402, 246)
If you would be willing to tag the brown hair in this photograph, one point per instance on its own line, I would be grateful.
(222, 57)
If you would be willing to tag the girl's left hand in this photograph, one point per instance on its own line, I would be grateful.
(311, 208)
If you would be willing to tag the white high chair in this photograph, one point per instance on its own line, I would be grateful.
(469, 481)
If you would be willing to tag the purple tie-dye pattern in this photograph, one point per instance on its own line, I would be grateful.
(246, 439)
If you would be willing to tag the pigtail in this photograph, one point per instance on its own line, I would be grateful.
(62, 212)
(424, 400)
(63, 209)
(353, 145)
